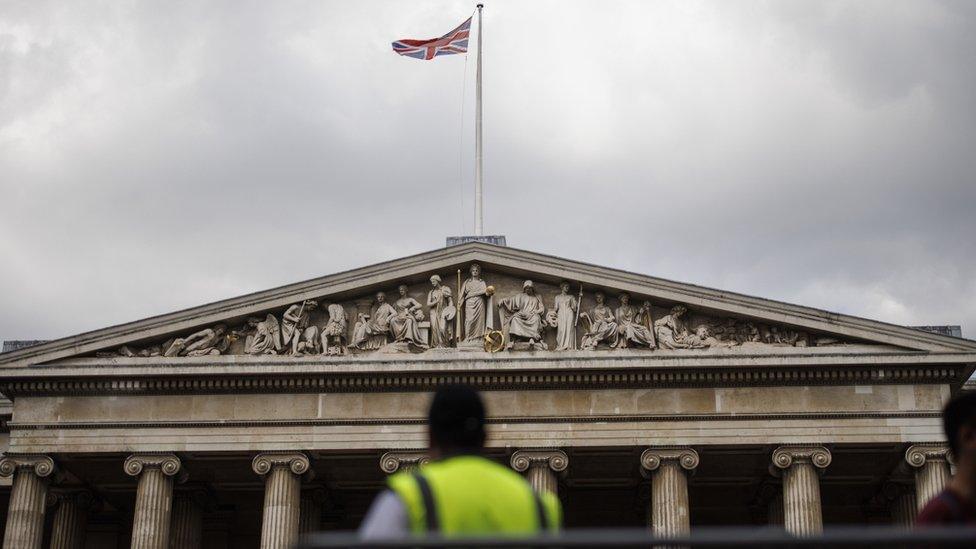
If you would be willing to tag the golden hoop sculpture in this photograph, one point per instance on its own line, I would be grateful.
(494, 341)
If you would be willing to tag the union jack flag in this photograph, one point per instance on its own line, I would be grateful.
(453, 42)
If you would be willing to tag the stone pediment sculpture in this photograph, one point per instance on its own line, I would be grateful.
(450, 300)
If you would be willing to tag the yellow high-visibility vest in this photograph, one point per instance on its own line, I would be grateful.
(473, 496)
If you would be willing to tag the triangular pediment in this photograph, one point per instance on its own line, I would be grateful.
(714, 322)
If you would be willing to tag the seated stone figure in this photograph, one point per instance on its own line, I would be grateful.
(629, 325)
(523, 315)
(603, 325)
(672, 333)
(266, 339)
(373, 329)
(403, 325)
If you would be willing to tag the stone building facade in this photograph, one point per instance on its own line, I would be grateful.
(639, 401)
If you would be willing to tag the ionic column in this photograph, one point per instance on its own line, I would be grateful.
(540, 468)
(310, 512)
(190, 501)
(70, 518)
(282, 472)
(801, 467)
(154, 498)
(28, 499)
(667, 467)
(391, 462)
(901, 503)
(931, 470)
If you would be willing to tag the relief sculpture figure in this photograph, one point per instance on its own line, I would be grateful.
(297, 331)
(629, 324)
(562, 317)
(440, 305)
(372, 329)
(403, 324)
(603, 325)
(522, 314)
(474, 301)
(211, 341)
(334, 331)
(672, 333)
(266, 339)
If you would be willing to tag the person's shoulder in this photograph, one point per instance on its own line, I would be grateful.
(942, 509)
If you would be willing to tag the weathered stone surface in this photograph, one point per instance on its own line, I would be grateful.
(801, 466)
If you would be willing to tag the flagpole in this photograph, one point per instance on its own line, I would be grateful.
(478, 171)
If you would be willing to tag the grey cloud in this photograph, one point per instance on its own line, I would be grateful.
(157, 156)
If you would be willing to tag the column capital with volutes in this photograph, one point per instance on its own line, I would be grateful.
(788, 455)
(553, 459)
(917, 455)
(40, 464)
(169, 464)
(397, 460)
(297, 462)
(652, 458)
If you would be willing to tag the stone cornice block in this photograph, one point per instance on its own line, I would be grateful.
(297, 462)
(918, 455)
(41, 465)
(786, 456)
(557, 460)
(168, 463)
(391, 462)
(652, 458)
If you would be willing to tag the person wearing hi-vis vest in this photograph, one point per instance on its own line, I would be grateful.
(459, 492)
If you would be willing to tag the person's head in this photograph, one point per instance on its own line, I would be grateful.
(402, 288)
(959, 422)
(475, 270)
(380, 297)
(456, 421)
(678, 310)
(564, 287)
(220, 329)
(528, 287)
(599, 297)
(624, 299)
(435, 281)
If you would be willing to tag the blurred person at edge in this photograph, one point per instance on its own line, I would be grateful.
(956, 505)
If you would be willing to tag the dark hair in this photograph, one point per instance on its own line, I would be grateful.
(457, 419)
(960, 412)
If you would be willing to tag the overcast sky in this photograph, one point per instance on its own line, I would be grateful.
(160, 155)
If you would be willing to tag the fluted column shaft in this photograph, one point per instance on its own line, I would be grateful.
(801, 499)
(154, 498)
(279, 528)
(541, 467)
(187, 527)
(904, 509)
(801, 466)
(669, 500)
(668, 468)
(931, 470)
(282, 494)
(28, 499)
(310, 514)
(70, 520)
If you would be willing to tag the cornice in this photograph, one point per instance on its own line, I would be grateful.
(523, 373)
